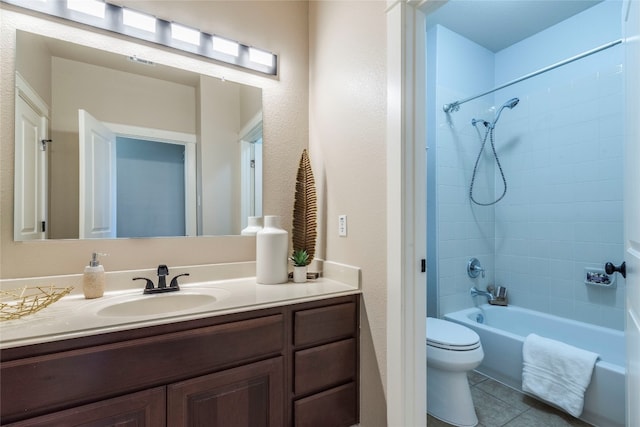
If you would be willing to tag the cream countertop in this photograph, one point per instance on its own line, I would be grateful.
(74, 316)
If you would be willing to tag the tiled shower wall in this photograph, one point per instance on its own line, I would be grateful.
(561, 151)
(462, 230)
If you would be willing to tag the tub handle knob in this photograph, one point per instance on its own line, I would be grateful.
(609, 268)
(474, 268)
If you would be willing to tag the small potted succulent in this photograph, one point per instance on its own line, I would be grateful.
(300, 259)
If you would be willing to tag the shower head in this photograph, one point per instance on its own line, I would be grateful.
(509, 104)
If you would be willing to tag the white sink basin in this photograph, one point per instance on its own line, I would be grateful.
(148, 305)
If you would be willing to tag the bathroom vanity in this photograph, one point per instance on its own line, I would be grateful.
(293, 363)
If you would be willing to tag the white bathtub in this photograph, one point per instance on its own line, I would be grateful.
(502, 331)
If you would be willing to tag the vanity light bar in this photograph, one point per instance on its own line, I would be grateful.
(106, 16)
(139, 20)
(225, 46)
(260, 57)
(185, 34)
(90, 7)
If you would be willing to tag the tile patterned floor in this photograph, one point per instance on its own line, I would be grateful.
(498, 405)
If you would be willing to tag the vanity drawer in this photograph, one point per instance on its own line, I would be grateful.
(337, 407)
(324, 324)
(325, 366)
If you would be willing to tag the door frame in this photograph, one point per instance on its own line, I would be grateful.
(631, 31)
(406, 214)
(251, 173)
(398, 397)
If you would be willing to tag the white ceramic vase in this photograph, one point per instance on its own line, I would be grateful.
(254, 225)
(272, 245)
(300, 274)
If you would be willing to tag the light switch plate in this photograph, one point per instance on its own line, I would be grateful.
(342, 225)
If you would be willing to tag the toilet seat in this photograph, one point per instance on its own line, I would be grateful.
(450, 336)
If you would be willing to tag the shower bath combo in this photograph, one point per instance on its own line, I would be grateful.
(455, 106)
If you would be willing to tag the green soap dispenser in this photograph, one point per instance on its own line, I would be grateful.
(93, 279)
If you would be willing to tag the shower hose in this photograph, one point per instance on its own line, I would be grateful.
(488, 134)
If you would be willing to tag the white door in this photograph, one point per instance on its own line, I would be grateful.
(30, 173)
(631, 17)
(97, 178)
(251, 169)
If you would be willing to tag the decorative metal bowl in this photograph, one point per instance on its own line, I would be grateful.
(16, 303)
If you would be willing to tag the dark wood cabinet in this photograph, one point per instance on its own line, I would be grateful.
(325, 324)
(68, 378)
(283, 366)
(334, 407)
(248, 396)
(325, 360)
(321, 367)
(142, 409)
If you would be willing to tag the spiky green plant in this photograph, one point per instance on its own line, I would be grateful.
(300, 258)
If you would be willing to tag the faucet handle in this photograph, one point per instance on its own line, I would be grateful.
(474, 268)
(149, 284)
(174, 281)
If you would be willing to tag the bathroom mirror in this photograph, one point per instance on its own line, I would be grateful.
(111, 146)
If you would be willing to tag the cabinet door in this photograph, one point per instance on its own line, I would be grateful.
(247, 396)
(144, 409)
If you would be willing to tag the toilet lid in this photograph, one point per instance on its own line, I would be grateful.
(450, 336)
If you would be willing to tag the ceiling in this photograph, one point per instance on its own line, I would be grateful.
(497, 24)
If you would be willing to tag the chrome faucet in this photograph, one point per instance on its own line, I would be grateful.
(475, 292)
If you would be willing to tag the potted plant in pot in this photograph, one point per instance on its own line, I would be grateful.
(300, 259)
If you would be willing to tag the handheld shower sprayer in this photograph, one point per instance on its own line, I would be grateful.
(490, 125)
(489, 134)
(509, 104)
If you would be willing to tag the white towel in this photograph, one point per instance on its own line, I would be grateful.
(557, 372)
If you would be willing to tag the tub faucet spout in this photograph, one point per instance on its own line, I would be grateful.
(475, 292)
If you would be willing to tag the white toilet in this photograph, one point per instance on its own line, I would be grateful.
(452, 351)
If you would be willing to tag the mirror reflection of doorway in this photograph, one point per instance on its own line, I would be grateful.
(125, 194)
(31, 163)
(251, 170)
(150, 188)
